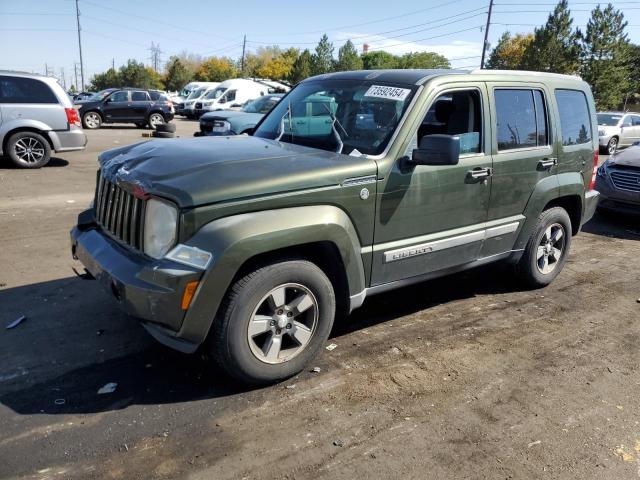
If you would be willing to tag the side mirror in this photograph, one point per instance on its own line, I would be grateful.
(222, 100)
(437, 150)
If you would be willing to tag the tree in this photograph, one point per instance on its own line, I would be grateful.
(555, 46)
(606, 59)
(176, 75)
(107, 79)
(323, 58)
(348, 58)
(216, 69)
(379, 60)
(423, 60)
(270, 62)
(302, 67)
(509, 52)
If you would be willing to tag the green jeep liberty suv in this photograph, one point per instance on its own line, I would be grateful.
(354, 184)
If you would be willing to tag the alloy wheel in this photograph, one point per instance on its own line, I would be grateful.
(612, 146)
(29, 150)
(155, 120)
(550, 248)
(92, 120)
(283, 323)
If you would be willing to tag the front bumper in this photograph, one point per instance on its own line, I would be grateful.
(615, 199)
(148, 289)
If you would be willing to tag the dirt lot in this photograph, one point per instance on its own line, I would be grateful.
(463, 377)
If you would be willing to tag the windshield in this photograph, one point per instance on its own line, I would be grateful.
(215, 93)
(261, 105)
(101, 94)
(608, 119)
(349, 116)
(196, 93)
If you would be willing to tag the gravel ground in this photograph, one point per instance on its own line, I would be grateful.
(461, 377)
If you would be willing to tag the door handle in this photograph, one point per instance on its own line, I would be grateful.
(548, 163)
(480, 173)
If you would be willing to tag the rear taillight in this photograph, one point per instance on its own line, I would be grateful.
(596, 160)
(72, 116)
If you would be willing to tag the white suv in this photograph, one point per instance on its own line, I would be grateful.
(36, 118)
(617, 129)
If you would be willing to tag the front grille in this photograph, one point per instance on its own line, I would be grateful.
(119, 212)
(198, 105)
(626, 180)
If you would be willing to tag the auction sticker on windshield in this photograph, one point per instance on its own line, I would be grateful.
(390, 93)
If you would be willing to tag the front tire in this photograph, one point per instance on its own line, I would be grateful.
(612, 146)
(273, 322)
(29, 150)
(547, 249)
(91, 120)
(155, 119)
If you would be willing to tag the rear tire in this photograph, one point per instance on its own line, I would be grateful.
(273, 322)
(29, 150)
(547, 249)
(155, 119)
(157, 134)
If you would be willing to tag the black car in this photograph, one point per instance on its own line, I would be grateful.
(126, 105)
(618, 181)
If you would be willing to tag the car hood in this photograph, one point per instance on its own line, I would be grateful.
(205, 170)
(230, 115)
(629, 157)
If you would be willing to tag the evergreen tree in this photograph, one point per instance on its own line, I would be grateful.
(555, 46)
(177, 75)
(509, 52)
(302, 67)
(348, 58)
(606, 59)
(323, 58)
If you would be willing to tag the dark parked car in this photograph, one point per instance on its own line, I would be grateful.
(618, 182)
(233, 122)
(126, 105)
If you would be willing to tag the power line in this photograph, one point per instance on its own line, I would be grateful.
(374, 35)
(426, 38)
(386, 19)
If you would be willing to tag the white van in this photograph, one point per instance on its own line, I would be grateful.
(191, 86)
(187, 108)
(229, 94)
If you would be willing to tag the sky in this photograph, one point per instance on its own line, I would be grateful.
(40, 34)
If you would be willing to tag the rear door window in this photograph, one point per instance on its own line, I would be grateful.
(521, 119)
(139, 96)
(575, 120)
(25, 90)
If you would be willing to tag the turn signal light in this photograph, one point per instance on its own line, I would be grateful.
(189, 292)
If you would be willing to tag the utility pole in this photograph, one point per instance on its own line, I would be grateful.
(113, 64)
(75, 71)
(486, 35)
(64, 79)
(81, 89)
(244, 46)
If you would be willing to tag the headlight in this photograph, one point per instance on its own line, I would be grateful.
(602, 170)
(160, 225)
(601, 133)
(221, 126)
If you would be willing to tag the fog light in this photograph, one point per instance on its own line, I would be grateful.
(192, 256)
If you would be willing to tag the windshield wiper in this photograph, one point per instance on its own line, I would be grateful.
(335, 121)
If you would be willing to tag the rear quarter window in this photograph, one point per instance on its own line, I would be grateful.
(25, 90)
(575, 120)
